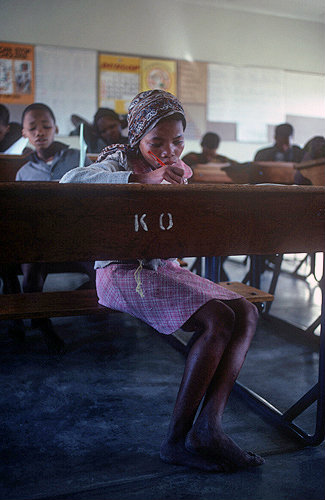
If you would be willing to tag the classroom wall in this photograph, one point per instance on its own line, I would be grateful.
(171, 29)
(174, 29)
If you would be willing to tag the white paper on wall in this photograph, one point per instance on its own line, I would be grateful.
(248, 96)
(305, 94)
(66, 80)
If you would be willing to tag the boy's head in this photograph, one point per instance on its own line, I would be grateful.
(210, 143)
(108, 125)
(4, 121)
(210, 140)
(39, 125)
(282, 135)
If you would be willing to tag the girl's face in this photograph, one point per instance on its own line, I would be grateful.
(166, 141)
(39, 128)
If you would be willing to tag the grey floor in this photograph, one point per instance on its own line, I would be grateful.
(88, 424)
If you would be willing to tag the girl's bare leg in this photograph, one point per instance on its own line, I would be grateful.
(212, 367)
(200, 368)
(207, 436)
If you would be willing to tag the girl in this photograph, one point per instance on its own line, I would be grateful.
(169, 297)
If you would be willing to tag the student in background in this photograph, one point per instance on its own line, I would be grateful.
(105, 130)
(313, 149)
(282, 149)
(50, 161)
(209, 144)
(10, 132)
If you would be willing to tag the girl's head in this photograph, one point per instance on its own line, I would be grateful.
(157, 122)
(165, 140)
(39, 125)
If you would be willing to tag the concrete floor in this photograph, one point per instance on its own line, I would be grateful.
(88, 424)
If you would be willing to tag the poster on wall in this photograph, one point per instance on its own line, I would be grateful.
(16, 73)
(192, 82)
(158, 74)
(118, 81)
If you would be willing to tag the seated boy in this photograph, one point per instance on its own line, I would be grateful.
(105, 130)
(10, 132)
(50, 161)
(209, 144)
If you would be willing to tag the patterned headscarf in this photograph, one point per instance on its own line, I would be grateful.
(145, 111)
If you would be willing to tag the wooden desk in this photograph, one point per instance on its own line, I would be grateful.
(9, 166)
(100, 219)
(210, 173)
(92, 156)
(245, 173)
(273, 172)
(50, 222)
(261, 172)
(314, 170)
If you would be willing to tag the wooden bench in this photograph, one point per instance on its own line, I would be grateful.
(84, 302)
(50, 222)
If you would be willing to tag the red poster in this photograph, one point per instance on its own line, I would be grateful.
(16, 73)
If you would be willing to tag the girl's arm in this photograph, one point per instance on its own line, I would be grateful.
(110, 171)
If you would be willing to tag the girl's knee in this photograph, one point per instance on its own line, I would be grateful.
(217, 318)
(246, 317)
(250, 311)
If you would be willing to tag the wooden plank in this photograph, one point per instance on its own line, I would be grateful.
(46, 222)
(83, 302)
(250, 293)
(50, 304)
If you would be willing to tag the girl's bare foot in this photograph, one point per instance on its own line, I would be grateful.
(175, 453)
(216, 444)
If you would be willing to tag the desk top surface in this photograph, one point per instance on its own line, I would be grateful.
(59, 222)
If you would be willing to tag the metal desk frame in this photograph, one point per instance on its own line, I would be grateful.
(315, 394)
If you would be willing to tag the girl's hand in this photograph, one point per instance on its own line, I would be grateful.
(171, 174)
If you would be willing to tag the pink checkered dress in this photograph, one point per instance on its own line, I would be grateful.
(171, 295)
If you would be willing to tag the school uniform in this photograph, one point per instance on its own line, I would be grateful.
(157, 291)
(293, 154)
(36, 169)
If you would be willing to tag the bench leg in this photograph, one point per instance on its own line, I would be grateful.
(11, 284)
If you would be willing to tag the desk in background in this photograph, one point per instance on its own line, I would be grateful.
(313, 170)
(10, 164)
